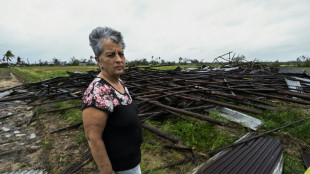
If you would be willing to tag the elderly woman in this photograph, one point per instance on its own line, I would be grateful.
(110, 117)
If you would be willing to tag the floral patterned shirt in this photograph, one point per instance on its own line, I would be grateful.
(101, 95)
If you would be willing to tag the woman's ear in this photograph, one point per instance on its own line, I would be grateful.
(97, 59)
(98, 62)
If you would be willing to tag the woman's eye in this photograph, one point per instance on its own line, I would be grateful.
(110, 55)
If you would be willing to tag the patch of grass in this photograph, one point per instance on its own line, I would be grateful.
(47, 145)
(151, 157)
(5, 74)
(28, 74)
(81, 139)
(73, 115)
(292, 165)
(60, 105)
(215, 114)
(39, 73)
(75, 102)
(155, 156)
(285, 114)
(202, 136)
(42, 108)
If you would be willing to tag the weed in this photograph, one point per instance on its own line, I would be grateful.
(285, 114)
(81, 138)
(47, 145)
(60, 105)
(73, 115)
(42, 108)
(292, 165)
(215, 114)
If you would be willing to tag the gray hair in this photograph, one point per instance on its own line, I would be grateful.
(99, 34)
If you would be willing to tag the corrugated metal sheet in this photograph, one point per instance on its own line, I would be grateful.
(238, 117)
(294, 85)
(28, 172)
(292, 71)
(302, 79)
(262, 155)
(306, 158)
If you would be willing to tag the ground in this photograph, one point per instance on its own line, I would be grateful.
(25, 147)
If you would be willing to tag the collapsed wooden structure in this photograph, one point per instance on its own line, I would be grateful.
(158, 94)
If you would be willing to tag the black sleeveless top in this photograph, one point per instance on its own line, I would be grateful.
(122, 135)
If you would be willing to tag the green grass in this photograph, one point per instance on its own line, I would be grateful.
(30, 75)
(292, 165)
(285, 114)
(72, 115)
(39, 73)
(82, 137)
(203, 137)
(4, 74)
(47, 145)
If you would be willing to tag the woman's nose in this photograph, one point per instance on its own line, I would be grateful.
(118, 58)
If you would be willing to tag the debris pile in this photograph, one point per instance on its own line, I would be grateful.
(237, 93)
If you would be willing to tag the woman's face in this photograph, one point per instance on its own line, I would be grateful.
(112, 59)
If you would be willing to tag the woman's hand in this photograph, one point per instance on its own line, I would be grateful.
(107, 170)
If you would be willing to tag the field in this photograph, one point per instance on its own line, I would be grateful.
(38, 73)
(202, 137)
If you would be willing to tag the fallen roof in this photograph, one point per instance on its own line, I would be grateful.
(262, 155)
(292, 71)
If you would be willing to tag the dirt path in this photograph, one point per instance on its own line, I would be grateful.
(26, 147)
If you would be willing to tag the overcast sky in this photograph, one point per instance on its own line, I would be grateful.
(197, 29)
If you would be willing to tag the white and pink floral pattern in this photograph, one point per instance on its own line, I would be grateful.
(100, 94)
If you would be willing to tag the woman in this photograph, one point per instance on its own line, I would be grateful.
(110, 117)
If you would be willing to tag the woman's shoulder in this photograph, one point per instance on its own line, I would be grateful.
(99, 82)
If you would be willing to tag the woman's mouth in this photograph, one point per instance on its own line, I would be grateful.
(119, 67)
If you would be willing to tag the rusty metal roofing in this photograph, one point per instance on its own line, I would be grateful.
(262, 155)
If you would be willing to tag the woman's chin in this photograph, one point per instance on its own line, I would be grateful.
(119, 72)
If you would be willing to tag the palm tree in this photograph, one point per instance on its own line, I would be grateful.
(7, 56)
(19, 60)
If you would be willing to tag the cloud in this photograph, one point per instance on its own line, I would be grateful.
(200, 29)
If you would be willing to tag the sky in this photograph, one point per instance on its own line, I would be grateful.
(265, 30)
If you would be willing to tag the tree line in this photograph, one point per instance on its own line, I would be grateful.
(9, 56)
(301, 61)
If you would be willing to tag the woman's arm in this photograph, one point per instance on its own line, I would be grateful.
(94, 122)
